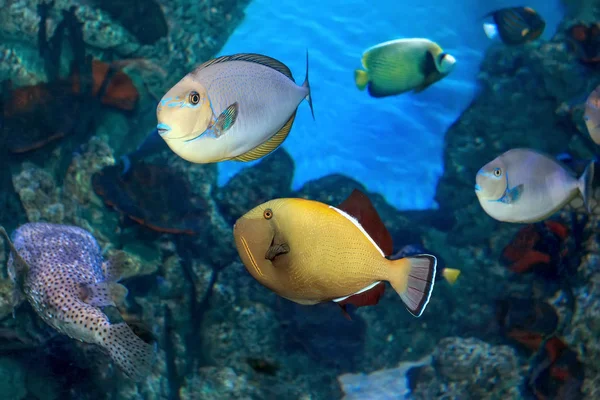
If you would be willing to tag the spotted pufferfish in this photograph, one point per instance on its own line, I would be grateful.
(60, 270)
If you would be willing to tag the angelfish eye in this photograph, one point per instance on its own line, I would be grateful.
(194, 98)
(268, 214)
(497, 172)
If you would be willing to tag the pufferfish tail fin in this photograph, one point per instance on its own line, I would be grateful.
(413, 278)
(361, 78)
(129, 352)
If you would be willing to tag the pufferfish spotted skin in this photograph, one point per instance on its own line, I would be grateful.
(60, 271)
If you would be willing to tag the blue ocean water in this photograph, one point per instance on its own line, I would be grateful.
(394, 145)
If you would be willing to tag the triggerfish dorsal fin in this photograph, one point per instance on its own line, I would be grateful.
(250, 57)
(360, 207)
(369, 297)
(270, 145)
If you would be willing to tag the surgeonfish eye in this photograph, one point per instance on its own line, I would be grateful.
(497, 172)
(194, 97)
(268, 213)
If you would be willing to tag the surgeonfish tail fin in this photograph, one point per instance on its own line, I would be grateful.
(133, 356)
(585, 185)
(451, 275)
(491, 30)
(413, 279)
(306, 84)
(361, 78)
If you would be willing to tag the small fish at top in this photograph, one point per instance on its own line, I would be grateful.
(239, 107)
(402, 65)
(526, 186)
(309, 252)
(592, 115)
(515, 25)
(60, 271)
(449, 274)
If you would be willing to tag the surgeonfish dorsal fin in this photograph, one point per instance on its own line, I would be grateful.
(360, 207)
(270, 145)
(250, 57)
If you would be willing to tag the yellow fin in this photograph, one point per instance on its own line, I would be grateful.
(361, 78)
(451, 275)
(270, 145)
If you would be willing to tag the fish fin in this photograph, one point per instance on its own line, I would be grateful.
(345, 312)
(250, 57)
(557, 228)
(367, 297)
(531, 258)
(270, 145)
(361, 78)
(21, 268)
(554, 346)
(413, 279)
(226, 120)
(512, 195)
(118, 266)
(276, 250)
(306, 84)
(491, 30)
(359, 206)
(103, 294)
(133, 356)
(585, 185)
(451, 275)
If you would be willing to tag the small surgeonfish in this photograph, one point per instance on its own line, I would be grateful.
(526, 186)
(309, 252)
(239, 107)
(60, 271)
(592, 115)
(515, 25)
(402, 65)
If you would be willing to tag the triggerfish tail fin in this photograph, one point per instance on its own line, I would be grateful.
(306, 84)
(361, 78)
(413, 278)
(132, 354)
(585, 185)
(451, 275)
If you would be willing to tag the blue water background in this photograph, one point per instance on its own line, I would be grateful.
(394, 145)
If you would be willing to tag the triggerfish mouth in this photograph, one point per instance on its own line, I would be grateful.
(238, 107)
(309, 252)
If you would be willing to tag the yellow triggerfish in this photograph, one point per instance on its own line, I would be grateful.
(309, 252)
(402, 65)
(239, 107)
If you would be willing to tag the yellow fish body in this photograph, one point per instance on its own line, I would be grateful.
(402, 65)
(309, 252)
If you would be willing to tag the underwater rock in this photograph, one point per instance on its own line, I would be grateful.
(215, 383)
(12, 380)
(271, 178)
(39, 195)
(468, 368)
(153, 195)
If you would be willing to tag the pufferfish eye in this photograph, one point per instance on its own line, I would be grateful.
(194, 98)
(497, 172)
(268, 213)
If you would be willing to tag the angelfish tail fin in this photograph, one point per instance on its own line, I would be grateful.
(413, 279)
(585, 185)
(361, 79)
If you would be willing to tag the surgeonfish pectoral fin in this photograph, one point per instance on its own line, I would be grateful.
(451, 275)
(585, 185)
(276, 250)
(512, 195)
(420, 278)
(103, 294)
(359, 206)
(226, 120)
(361, 78)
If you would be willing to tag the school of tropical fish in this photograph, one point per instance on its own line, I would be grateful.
(242, 107)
